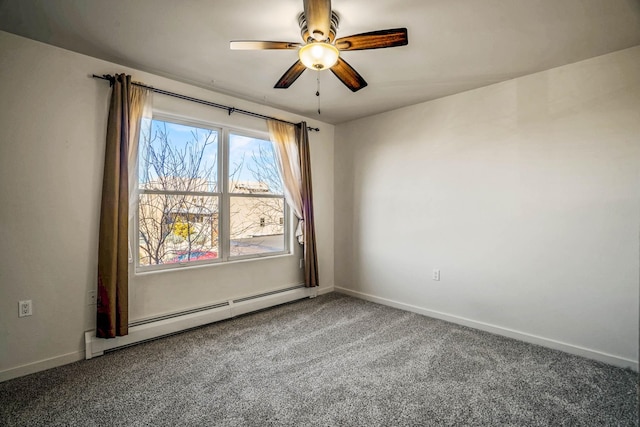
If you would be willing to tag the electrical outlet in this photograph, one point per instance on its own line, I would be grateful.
(301, 263)
(25, 308)
(91, 298)
(436, 274)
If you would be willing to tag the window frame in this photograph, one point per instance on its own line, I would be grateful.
(223, 194)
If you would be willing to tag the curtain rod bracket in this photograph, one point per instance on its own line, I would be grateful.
(111, 79)
(308, 127)
(231, 110)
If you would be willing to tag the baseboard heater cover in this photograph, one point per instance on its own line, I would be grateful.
(146, 330)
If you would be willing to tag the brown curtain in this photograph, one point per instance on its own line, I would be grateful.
(113, 300)
(309, 232)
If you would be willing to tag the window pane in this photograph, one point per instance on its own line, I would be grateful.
(252, 166)
(256, 225)
(175, 157)
(177, 228)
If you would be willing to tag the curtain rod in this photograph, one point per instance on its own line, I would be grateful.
(230, 110)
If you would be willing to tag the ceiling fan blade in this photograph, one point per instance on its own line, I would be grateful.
(290, 76)
(374, 40)
(348, 75)
(318, 15)
(260, 45)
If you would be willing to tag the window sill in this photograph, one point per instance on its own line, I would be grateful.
(178, 268)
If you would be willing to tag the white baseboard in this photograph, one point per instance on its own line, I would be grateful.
(498, 330)
(326, 290)
(41, 365)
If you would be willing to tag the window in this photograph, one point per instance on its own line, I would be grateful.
(206, 194)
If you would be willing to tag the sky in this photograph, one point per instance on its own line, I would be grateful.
(180, 136)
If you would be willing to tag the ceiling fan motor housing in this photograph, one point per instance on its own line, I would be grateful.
(308, 38)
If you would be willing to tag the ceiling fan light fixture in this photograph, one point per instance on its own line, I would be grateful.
(318, 55)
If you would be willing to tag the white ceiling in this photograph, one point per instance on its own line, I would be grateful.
(454, 45)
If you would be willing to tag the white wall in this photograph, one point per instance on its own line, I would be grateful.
(525, 194)
(52, 131)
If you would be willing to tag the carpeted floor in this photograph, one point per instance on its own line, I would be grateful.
(332, 360)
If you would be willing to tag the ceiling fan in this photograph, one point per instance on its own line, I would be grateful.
(320, 49)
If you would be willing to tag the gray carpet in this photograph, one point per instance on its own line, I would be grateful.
(332, 360)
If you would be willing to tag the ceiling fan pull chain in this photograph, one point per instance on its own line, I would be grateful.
(318, 89)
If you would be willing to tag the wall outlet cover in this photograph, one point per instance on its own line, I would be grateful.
(25, 308)
(91, 298)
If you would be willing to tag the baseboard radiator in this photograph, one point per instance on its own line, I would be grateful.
(173, 323)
